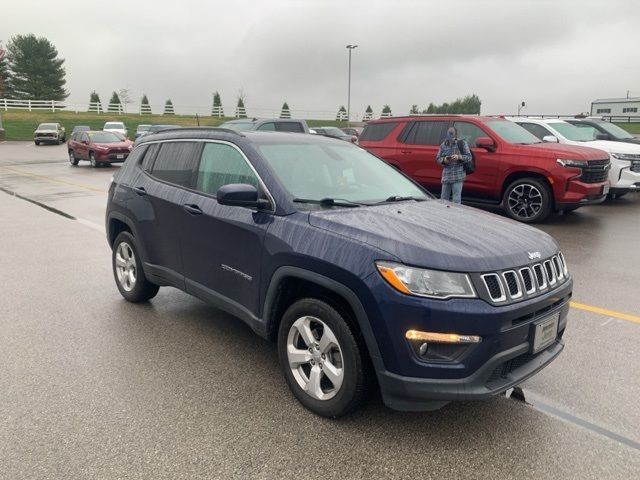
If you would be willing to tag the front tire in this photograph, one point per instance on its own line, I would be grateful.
(36, 142)
(72, 158)
(128, 272)
(527, 200)
(321, 359)
(92, 159)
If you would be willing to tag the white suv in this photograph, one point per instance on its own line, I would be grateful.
(115, 127)
(624, 175)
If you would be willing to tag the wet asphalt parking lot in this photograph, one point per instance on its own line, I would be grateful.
(94, 387)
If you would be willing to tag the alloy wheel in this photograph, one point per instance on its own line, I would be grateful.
(525, 201)
(126, 266)
(315, 358)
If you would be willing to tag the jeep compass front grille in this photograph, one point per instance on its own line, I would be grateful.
(526, 282)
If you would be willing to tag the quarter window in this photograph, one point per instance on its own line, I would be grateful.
(176, 162)
(427, 133)
(377, 131)
(150, 156)
(469, 132)
(221, 164)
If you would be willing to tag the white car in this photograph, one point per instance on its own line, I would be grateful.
(624, 175)
(116, 127)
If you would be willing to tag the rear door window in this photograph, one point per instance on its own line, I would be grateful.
(427, 133)
(469, 132)
(289, 127)
(149, 157)
(176, 162)
(222, 164)
(538, 130)
(377, 131)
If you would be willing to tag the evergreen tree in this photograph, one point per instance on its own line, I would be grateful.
(342, 113)
(145, 108)
(386, 111)
(217, 110)
(114, 104)
(414, 110)
(241, 111)
(168, 107)
(4, 75)
(285, 112)
(469, 105)
(368, 113)
(36, 72)
(95, 105)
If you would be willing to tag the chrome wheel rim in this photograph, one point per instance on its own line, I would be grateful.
(92, 157)
(71, 157)
(126, 266)
(315, 358)
(525, 201)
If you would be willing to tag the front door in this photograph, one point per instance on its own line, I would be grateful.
(222, 245)
(481, 184)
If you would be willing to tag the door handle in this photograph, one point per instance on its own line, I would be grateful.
(192, 209)
(406, 151)
(140, 191)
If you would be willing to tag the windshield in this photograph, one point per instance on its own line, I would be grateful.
(143, 128)
(572, 132)
(239, 126)
(47, 126)
(614, 130)
(321, 170)
(105, 137)
(115, 125)
(512, 132)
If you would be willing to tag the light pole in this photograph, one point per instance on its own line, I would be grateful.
(520, 107)
(349, 47)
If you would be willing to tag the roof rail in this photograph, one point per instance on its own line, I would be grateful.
(204, 127)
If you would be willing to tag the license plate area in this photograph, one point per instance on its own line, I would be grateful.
(120, 156)
(545, 332)
(605, 189)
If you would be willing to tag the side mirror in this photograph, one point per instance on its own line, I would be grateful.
(550, 139)
(239, 195)
(603, 136)
(486, 143)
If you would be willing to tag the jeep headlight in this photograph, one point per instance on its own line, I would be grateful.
(426, 283)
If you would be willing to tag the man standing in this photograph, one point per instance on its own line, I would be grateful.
(452, 155)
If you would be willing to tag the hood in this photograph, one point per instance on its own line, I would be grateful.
(614, 147)
(123, 144)
(439, 235)
(573, 152)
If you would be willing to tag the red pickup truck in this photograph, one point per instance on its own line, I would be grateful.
(98, 147)
(513, 169)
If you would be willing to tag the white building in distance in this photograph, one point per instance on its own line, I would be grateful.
(617, 107)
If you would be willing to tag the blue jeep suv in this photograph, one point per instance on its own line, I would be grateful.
(361, 277)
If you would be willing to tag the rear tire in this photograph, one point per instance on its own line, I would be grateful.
(527, 200)
(321, 359)
(128, 272)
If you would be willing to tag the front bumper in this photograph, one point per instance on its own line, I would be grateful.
(108, 157)
(500, 361)
(577, 194)
(624, 175)
(45, 138)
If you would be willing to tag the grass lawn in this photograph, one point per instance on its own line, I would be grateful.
(632, 128)
(20, 124)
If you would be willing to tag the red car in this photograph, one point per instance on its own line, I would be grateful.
(98, 147)
(513, 169)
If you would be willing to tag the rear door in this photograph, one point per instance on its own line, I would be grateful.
(222, 245)
(160, 193)
(483, 182)
(82, 146)
(419, 144)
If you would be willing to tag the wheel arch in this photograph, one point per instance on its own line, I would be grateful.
(517, 175)
(289, 284)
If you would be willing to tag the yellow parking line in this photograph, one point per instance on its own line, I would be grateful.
(607, 312)
(55, 180)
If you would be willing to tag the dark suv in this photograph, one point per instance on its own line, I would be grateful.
(350, 266)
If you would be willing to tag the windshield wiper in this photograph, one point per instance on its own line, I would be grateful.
(329, 202)
(399, 198)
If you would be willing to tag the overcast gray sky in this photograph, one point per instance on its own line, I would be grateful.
(555, 55)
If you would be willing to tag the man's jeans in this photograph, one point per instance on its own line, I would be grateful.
(450, 190)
